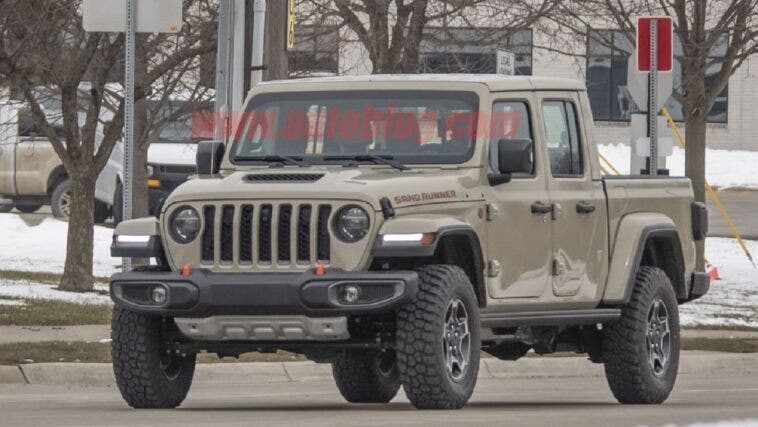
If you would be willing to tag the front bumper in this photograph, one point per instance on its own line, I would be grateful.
(204, 293)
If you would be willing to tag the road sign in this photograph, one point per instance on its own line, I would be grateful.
(291, 25)
(637, 82)
(506, 62)
(153, 16)
(663, 42)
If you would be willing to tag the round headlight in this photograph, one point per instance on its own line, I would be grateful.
(185, 224)
(351, 224)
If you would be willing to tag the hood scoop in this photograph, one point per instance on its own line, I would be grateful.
(283, 177)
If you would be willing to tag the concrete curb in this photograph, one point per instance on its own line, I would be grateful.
(101, 374)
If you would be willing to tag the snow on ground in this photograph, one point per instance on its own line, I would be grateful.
(731, 423)
(39, 244)
(12, 302)
(732, 300)
(724, 168)
(21, 290)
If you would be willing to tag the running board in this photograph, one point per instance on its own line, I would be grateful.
(550, 318)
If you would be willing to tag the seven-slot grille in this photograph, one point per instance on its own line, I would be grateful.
(264, 234)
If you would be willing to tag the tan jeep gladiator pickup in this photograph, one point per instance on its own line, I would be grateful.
(397, 226)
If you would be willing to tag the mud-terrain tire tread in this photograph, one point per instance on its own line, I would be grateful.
(419, 346)
(624, 353)
(136, 363)
(359, 380)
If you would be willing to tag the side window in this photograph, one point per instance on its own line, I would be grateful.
(510, 120)
(562, 138)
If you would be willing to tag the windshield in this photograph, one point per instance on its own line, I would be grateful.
(418, 127)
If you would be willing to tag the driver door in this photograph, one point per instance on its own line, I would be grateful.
(519, 241)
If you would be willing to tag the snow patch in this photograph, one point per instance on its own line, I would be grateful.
(732, 300)
(30, 290)
(39, 244)
(728, 423)
(724, 168)
(12, 302)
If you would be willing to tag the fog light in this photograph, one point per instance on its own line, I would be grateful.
(351, 293)
(158, 295)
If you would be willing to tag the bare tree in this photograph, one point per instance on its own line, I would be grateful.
(43, 44)
(391, 31)
(701, 27)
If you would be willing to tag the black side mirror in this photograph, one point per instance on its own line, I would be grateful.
(514, 156)
(209, 157)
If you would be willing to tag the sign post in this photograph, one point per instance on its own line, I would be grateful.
(131, 29)
(654, 54)
(130, 17)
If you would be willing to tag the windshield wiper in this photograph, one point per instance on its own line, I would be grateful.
(271, 158)
(379, 160)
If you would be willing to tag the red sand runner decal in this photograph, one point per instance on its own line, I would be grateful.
(424, 197)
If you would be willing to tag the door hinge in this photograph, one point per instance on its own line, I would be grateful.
(492, 212)
(493, 268)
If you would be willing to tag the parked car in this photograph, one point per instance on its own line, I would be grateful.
(394, 226)
(32, 175)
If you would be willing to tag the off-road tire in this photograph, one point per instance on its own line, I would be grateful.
(136, 351)
(420, 328)
(624, 347)
(57, 198)
(366, 377)
(28, 207)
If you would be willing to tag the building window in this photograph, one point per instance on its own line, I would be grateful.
(316, 51)
(472, 50)
(607, 57)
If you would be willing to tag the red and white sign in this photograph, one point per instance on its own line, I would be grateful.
(664, 43)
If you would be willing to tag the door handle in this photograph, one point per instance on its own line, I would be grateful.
(540, 208)
(583, 207)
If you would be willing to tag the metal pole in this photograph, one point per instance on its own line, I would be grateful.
(128, 162)
(259, 23)
(653, 98)
(223, 67)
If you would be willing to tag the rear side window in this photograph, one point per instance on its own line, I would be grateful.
(562, 138)
(510, 120)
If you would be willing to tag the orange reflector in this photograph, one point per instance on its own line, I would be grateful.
(320, 269)
(186, 270)
(153, 183)
(427, 239)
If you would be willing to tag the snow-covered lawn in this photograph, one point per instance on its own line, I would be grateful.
(14, 292)
(732, 301)
(41, 246)
(723, 168)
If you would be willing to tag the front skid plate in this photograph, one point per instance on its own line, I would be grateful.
(264, 328)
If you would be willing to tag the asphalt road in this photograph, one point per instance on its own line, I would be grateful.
(742, 206)
(705, 397)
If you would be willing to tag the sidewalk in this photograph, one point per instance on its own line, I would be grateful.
(97, 333)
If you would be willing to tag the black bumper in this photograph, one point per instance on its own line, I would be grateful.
(204, 293)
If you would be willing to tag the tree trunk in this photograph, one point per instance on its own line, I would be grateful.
(694, 165)
(77, 273)
(275, 50)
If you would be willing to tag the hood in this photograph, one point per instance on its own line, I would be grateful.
(370, 184)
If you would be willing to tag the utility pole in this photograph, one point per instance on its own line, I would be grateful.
(275, 53)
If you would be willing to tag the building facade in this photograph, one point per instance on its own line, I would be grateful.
(600, 61)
